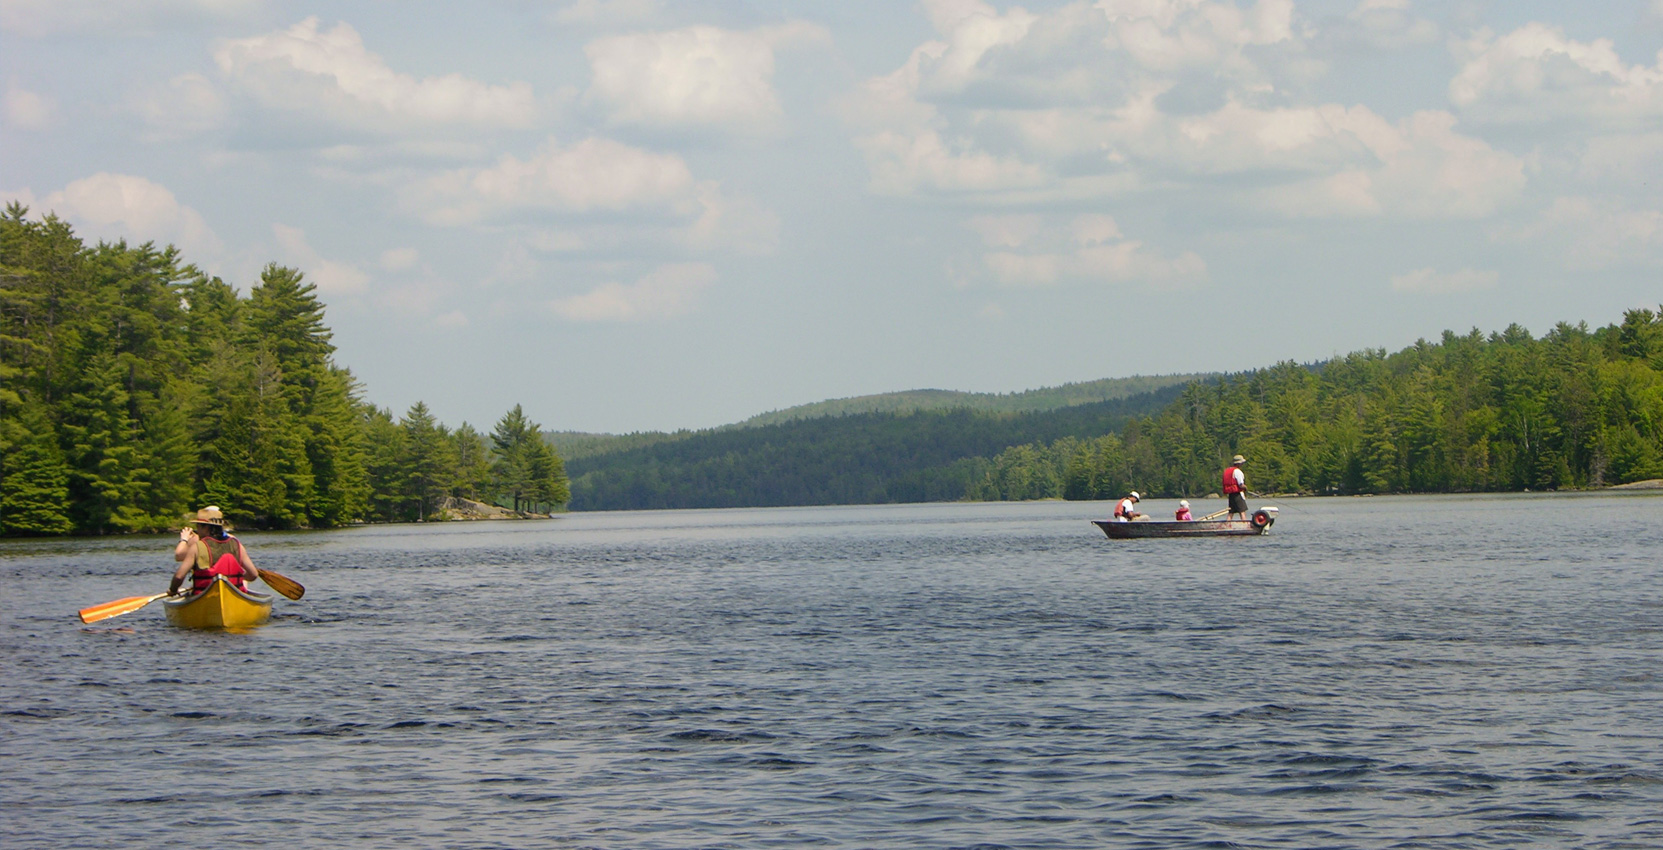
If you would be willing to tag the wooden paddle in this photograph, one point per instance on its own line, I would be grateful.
(1216, 514)
(287, 587)
(116, 608)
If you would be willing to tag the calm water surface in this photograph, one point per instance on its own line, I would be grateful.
(1376, 673)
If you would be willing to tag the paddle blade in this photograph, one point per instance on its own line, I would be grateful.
(116, 608)
(286, 587)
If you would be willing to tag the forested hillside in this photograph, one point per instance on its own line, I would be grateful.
(134, 388)
(1508, 411)
(1027, 401)
(868, 458)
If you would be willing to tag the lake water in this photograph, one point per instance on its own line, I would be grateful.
(1375, 673)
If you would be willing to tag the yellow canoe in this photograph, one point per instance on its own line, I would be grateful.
(221, 606)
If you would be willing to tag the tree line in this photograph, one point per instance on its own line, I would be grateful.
(134, 387)
(1504, 412)
(923, 456)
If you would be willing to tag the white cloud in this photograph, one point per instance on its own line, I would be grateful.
(1169, 35)
(1386, 24)
(332, 277)
(121, 206)
(595, 174)
(399, 259)
(37, 18)
(1430, 281)
(1421, 168)
(331, 76)
(606, 12)
(27, 110)
(188, 104)
(724, 223)
(1535, 74)
(1592, 234)
(1031, 253)
(909, 163)
(700, 76)
(666, 292)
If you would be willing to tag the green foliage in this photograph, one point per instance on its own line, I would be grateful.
(1575, 408)
(866, 458)
(1028, 401)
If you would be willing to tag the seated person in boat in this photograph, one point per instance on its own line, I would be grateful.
(208, 551)
(1184, 511)
(1124, 511)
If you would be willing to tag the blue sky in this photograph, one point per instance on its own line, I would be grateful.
(630, 215)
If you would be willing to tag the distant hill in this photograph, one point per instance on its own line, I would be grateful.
(576, 445)
(860, 458)
(1027, 401)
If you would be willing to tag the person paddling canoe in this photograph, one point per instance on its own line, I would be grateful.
(207, 552)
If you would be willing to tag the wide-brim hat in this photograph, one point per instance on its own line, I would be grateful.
(1237, 460)
(210, 515)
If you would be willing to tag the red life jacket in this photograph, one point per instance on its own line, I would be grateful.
(221, 559)
(1230, 485)
(1124, 508)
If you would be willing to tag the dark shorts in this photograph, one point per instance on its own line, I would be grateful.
(1238, 503)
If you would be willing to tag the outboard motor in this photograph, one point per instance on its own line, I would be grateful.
(1264, 518)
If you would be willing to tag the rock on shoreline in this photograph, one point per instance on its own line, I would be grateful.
(468, 509)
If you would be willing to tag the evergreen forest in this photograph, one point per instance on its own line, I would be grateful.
(1574, 408)
(134, 389)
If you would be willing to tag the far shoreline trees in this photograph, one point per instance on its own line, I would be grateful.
(135, 388)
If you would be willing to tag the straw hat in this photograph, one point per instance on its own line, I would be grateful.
(210, 515)
(1238, 460)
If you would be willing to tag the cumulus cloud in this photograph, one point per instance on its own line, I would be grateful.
(37, 18)
(122, 206)
(1535, 74)
(1420, 168)
(699, 76)
(1088, 248)
(331, 76)
(331, 276)
(595, 174)
(668, 291)
(1383, 24)
(1172, 34)
(27, 110)
(1592, 234)
(907, 163)
(186, 105)
(1192, 102)
(606, 12)
(1429, 281)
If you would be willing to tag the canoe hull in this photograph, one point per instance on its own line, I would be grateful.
(221, 606)
(1260, 522)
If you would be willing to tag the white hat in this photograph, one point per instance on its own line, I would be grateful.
(1183, 503)
(1136, 497)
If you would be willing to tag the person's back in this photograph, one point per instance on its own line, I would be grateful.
(1183, 514)
(209, 553)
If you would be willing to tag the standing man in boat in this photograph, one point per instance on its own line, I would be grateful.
(1124, 512)
(1235, 487)
(208, 552)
